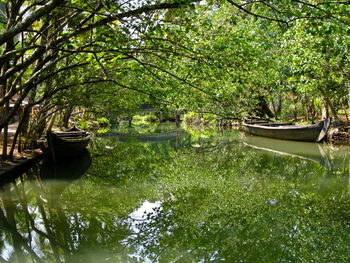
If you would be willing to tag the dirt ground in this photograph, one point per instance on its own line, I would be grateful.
(17, 157)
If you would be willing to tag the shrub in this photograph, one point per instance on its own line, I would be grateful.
(103, 122)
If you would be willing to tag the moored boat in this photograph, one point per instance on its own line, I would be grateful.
(307, 133)
(64, 145)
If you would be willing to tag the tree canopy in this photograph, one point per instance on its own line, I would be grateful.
(230, 58)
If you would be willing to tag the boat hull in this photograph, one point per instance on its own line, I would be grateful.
(65, 145)
(62, 148)
(307, 133)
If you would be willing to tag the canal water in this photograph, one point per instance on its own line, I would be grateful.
(160, 194)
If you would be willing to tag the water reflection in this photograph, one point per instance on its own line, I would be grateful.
(68, 170)
(35, 223)
(206, 198)
(303, 150)
(153, 137)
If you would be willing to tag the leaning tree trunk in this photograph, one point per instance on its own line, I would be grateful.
(52, 121)
(327, 103)
(38, 124)
(325, 111)
(20, 128)
(334, 110)
(66, 116)
(5, 135)
(6, 108)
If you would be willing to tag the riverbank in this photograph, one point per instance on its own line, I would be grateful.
(338, 133)
(20, 161)
(10, 170)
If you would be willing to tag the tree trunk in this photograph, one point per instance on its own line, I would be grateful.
(52, 121)
(348, 97)
(5, 129)
(4, 141)
(177, 120)
(334, 110)
(66, 116)
(264, 108)
(346, 114)
(325, 111)
(277, 106)
(327, 103)
(6, 108)
(295, 109)
(130, 120)
(19, 129)
(311, 110)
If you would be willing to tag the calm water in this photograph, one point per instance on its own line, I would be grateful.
(161, 195)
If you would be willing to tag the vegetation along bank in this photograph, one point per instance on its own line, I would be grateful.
(91, 61)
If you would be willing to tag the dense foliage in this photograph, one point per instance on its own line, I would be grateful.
(230, 58)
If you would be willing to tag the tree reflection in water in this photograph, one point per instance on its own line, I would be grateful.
(195, 198)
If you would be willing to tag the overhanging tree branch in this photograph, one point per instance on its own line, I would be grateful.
(36, 15)
(240, 7)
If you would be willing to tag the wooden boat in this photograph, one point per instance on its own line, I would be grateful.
(287, 131)
(64, 145)
(302, 150)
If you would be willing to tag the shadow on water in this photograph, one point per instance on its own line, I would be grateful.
(56, 177)
(32, 211)
(68, 170)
